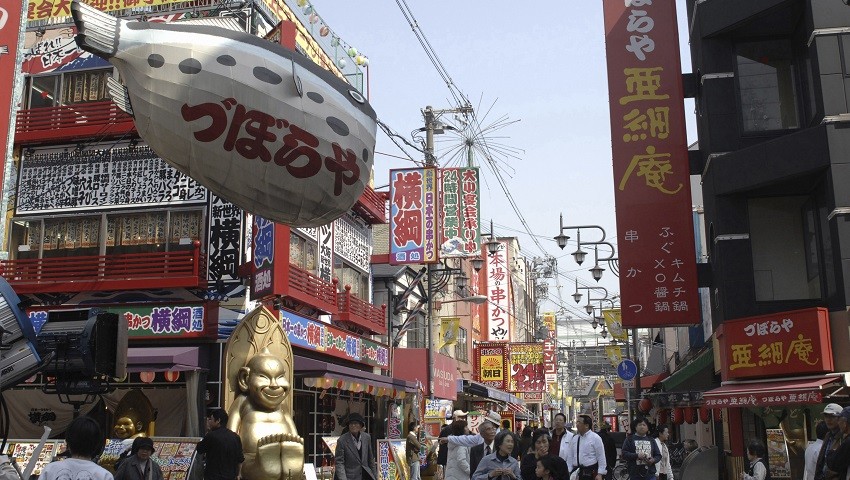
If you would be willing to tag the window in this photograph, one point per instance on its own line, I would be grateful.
(461, 350)
(302, 252)
(784, 243)
(415, 336)
(766, 86)
(76, 87)
(348, 275)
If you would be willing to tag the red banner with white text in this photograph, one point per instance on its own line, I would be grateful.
(526, 368)
(10, 28)
(658, 281)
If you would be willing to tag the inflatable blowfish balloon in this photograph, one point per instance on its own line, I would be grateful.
(257, 124)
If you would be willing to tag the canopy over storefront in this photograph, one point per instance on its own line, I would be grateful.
(162, 359)
(775, 392)
(324, 375)
(477, 389)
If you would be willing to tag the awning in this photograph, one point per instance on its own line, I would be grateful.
(776, 392)
(685, 372)
(479, 389)
(521, 412)
(162, 359)
(319, 374)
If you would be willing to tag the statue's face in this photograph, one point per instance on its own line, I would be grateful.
(125, 427)
(267, 382)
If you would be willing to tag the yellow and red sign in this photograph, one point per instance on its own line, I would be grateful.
(490, 363)
(526, 363)
(779, 344)
(658, 282)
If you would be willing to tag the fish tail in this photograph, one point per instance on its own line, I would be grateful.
(97, 31)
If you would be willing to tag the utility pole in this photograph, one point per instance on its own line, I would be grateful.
(432, 126)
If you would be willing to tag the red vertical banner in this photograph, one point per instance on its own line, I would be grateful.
(658, 281)
(10, 28)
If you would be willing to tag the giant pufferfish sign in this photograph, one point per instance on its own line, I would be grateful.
(256, 123)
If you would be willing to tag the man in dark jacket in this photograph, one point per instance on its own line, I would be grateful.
(610, 449)
(222, 449)
(830, 417)
(839, 462)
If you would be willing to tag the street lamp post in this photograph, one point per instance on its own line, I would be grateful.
(580, 254)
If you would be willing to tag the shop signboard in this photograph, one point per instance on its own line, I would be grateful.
(531, 397)
(490, 364)
(413, 216)
(497, 280)
(526, 368)
(156, 322)
(780, 344)
(412, 364)
(460, 212)
(550, 350)
(655, 236)
(263, 242)
(47, 9)
(316, 336)
(438, 409)
(225, 236)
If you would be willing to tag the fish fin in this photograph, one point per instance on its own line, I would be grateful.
(120, 95)
(97, 31)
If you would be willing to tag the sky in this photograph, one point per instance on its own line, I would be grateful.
(541, 64)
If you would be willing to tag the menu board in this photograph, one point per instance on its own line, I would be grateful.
(777, 454)
(173, 455)
(21, 452)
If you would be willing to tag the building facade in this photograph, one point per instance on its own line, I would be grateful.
(770, 83)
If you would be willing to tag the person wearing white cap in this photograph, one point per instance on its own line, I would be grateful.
(837, 465)
(830, 417)
(473, 440)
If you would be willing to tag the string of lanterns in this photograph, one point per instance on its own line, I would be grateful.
(314, 19)
(326, 383)
(680, 415)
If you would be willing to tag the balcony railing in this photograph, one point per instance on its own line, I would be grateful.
(71, 122)
(362, 314)
(372, 206)
(106, 272)
(311, 290)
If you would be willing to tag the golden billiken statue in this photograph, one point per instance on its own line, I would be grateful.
(261, 410)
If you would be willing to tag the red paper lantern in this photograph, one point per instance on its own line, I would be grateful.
(663, 416)
(645, 405)
(678, 416)
(147, 377)
(690, 415)
(704, 414)
(171, 376)
(718, 414)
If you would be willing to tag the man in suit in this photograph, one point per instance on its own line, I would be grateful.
(355, 458)
(487, 430)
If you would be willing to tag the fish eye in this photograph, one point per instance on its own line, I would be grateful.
(356, 96)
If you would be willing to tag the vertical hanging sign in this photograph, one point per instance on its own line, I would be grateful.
(658, 282)
(10, 29)
(526, 368)
(459, 211)
(550, 348)
(326, 252)
(498, 296)
(413, 216)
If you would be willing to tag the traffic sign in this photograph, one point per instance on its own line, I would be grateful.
(628, 384)
(627, 369)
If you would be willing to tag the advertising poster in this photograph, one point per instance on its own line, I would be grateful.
(777, 454)
(526, 368)
(387, 469)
